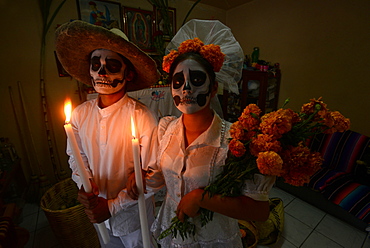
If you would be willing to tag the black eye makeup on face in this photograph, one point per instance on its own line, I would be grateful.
(178, 80)
(95, 63)
(113, 65)
(197, 78)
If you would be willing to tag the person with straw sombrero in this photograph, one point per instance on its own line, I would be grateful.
(113, 65)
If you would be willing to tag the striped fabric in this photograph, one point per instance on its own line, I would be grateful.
(340, 150)
(350, 195)
(341, 179)
(322, 177)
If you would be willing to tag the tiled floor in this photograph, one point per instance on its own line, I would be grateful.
(305, 227)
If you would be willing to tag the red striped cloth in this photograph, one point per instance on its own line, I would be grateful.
(342, 180)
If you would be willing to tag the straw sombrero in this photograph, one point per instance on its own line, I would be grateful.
(76, 40)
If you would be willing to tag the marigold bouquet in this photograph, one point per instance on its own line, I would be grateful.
(271, 144)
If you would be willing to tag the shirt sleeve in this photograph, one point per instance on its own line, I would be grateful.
(154, 182)
(259, 187)
(123, 201)
(146, 124)
(72, 161)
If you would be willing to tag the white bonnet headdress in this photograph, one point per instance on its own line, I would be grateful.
(215, 32)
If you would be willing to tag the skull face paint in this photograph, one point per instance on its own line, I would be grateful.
(190, 87)
(107, 71)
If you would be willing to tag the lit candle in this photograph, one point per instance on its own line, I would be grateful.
(140, 187)
(80, 165)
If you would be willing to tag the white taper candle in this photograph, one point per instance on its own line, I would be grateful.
(84, 175)
(140, 187)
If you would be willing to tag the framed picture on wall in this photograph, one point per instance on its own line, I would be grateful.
(138, 26)
(169, 32)
(107, 14)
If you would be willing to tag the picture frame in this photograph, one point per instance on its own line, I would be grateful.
(103, 13)
(139, 26)
(159, 22)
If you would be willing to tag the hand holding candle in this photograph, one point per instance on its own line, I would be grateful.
(80, 165)
(139, 184)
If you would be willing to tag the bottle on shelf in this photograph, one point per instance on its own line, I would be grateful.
(255, 54)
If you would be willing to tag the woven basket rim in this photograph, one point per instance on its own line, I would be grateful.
(58, 210)
(61, 210)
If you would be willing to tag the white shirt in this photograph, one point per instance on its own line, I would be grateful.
(105, 140)
(203, 159)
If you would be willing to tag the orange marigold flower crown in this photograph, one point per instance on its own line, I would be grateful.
(212, 53)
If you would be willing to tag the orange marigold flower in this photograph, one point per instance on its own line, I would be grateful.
(293, 115)
(252, 108)
(191, 45)
(312, 106)
(337, 122)
(278, 122)
(213, 55)
(341, 123)
(250, 119)
(263, 143)
(269, 163)
(237, 148)
(328, 122)
(238, 132)
(249, 123)
(168, 60)
(300, 164)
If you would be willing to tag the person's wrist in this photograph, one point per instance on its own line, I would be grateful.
(199, 196)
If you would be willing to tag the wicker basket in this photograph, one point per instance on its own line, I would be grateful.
(70, 225)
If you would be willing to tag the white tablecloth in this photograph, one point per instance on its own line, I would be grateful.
(157, 99)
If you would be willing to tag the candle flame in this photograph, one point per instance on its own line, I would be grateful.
(133, 127)
(68, 110)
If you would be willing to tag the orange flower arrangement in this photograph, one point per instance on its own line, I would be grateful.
(212, 53)
(277, 144)
(272, 144)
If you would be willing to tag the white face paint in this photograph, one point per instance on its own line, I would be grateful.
(107, 71)
(190, 87)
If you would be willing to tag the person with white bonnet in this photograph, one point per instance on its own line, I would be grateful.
(193, 147)
(114, 66)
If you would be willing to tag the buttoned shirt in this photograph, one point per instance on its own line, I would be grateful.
(193, 167)
(105, 140)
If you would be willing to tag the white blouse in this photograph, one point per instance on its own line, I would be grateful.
(203, 160)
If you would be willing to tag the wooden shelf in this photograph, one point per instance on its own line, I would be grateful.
(266, 97)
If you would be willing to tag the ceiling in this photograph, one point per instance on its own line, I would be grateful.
(224, 4)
